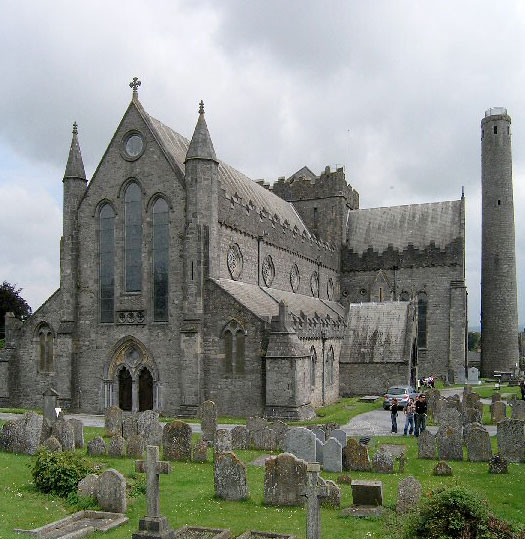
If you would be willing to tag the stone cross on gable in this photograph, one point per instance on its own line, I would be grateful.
(135, 83)
(314, 490)
(153, 467)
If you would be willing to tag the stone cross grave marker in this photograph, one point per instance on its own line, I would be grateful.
(314, 490)
(154, 524)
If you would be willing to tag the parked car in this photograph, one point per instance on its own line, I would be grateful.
(401, 393)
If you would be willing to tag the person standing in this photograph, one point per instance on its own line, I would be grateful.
(410, 411)
(393, 414)
(421, 414)
(522, 389)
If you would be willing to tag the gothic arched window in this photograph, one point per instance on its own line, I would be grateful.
(46, 349)
(330, 365)
(234, 337)
(160, 260)
(107, 263)
(133, 238)
(313, 365)
(422, 310)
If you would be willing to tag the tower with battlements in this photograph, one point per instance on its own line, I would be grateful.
(499, 312)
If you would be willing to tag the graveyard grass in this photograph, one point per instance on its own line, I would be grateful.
(187, 496)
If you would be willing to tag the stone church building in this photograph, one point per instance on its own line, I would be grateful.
(183, 280)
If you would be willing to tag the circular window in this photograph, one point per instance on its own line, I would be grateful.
(268, 270)
(234, 261)
(133, 146)
(295, 278)
(330, 288)
(314, 284)
(363, 291)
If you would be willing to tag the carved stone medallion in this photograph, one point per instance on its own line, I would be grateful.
(330, 288)
(268, 270)
(295, 278)
(234, 261)
(314, 284)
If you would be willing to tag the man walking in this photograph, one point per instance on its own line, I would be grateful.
(421, 414)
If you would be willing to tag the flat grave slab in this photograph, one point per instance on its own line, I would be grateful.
(362, 511)
(396, 450)
(77, 525)
(254, 534)
(260, 461)
(195, 532)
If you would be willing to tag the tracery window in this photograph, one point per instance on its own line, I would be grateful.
(160, 259)
(133, 238)
(422, 310)
(234, 337)
(313, 365)
(330, 365)
(46, 349)
(107, 263)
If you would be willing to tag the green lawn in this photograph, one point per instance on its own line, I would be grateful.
(187, 496)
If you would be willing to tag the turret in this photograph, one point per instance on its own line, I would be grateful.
(499, 313)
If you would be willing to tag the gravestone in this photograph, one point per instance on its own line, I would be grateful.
(473, 376)
(88, 486)
(510, 440)
(450, 417)
(319, 450)
(498, 411)
(64, 432)
(53, 445)
(96, 447)
(200, 451)
(498, 464)
(409, 493)
(383, 462)
(449, 443)
(11, 437)
(31, 430)
(111, 491)
(230, 477)
(129, 426)
(355, 456)
(518, 410)
(439, 407)
(113, 421)
(367, 492)
(313, 491)
(265, 439)
(136, 446)
(284, 480)
(470, 398)
(301, 443)
(454, 402)
(339, 435)
(50, 403)
(496, 396)
(117, 446)
(477, 440)
(280, 428)
(176, 441)
(153, 525)
(426, 445)
(78, 431)
(223, 441)
(333, 499)
(442, 468)
(149, 428)
(320, 433)
(240, 437)
(332, 456)
(433, 395)
(473, 414)
(45, 433)
(208, 415)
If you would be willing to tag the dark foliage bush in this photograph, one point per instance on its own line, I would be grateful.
(59, 473)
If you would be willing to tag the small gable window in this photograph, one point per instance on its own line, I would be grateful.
(45, 348)
(234, 337)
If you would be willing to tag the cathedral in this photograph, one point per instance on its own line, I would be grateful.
(183, 280)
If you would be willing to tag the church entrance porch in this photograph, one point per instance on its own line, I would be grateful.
(131, 378)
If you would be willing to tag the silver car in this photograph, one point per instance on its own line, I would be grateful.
(401, 393)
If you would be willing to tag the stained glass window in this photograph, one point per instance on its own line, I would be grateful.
(107, 263)
(133, 238)
(160, 260)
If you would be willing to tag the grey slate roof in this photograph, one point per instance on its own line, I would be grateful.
(418, 224)
(232, 181)
(375, 332)
(264, 302)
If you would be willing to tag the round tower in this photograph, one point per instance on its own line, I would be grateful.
(499, 311)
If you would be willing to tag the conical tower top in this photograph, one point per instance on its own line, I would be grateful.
(75, 165)
(201, 146)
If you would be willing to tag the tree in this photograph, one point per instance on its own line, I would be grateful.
(12, 302)
(474, 338)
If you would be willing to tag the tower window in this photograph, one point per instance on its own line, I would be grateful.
(495, 129)
(499, 202)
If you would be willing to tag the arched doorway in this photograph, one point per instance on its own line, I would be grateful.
(125, 394)
(145, 390)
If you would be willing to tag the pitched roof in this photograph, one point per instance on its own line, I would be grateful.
(376, 332)
(232, 181)
(418, 224)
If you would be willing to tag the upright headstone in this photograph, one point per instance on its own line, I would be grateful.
(176, 441)
(355, 456)
(442, 468)
(496, 396)
(450, 418)
(117, 446)
(153, 525)
(332, 456)
(320, 433)
(64, 432)
(113, 421)
(367, 492)
(473, 413)
(383, 462)
(129, 426)
(208, 415)
(319, 450)
(88, 485)
(449, 443)
(52, 445)
(477, 440)
(498, 464)
(149, 428)
(339, 435)
(409, 493)
(223, 440)
(426, 445)
(230, 477)
(511, 445)
(136, 446)
(314, 490)
(200, 451)
(301, 443)
(78, 430)
(240, 437)
(518, 410)
(31, 432)
(111, 491)
(96, 447)
(50, 404)
(498, 411)
(473, 376)
(284, 480)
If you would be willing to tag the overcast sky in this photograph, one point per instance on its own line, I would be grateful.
(392, 90)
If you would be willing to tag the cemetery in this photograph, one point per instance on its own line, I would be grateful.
(152, 477)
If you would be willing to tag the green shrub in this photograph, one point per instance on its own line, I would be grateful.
(81, 503)
(451, 514)
(59, 473)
